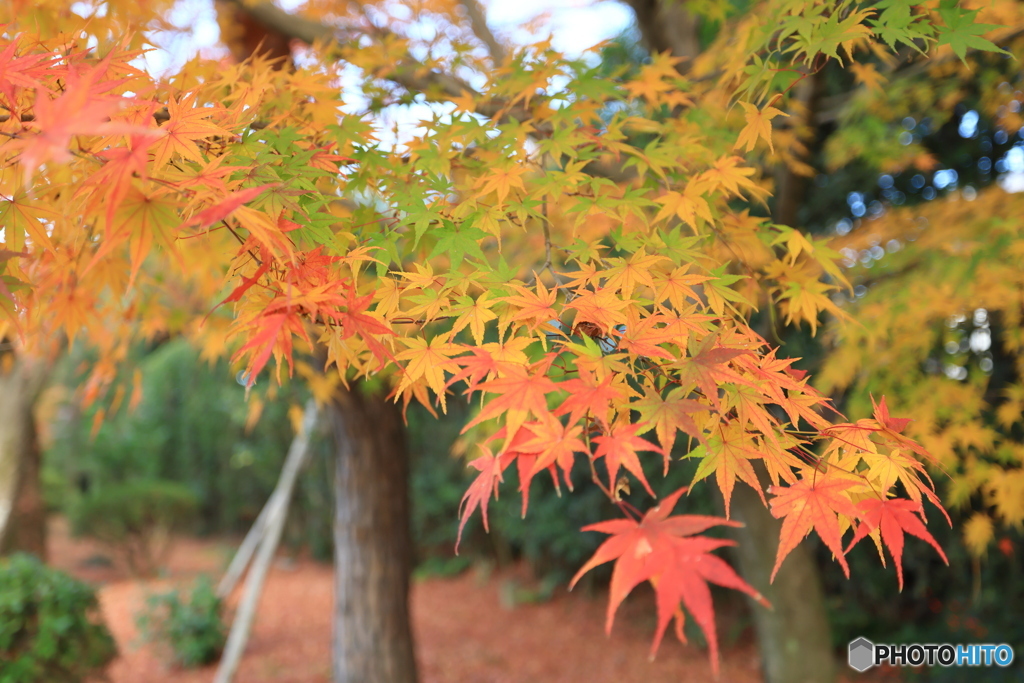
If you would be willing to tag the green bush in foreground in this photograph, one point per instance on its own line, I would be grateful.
(51, 630)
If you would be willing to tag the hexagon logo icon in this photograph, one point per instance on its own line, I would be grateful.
(862, 654)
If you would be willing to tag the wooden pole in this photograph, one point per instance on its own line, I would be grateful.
(276, 511)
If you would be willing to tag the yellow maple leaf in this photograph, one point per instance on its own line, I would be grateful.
(500, 181)
(687, 205)
(758, 126)
(978, 533)
(1006, 493)
(427, 360)
(475, 313)
(868, 76)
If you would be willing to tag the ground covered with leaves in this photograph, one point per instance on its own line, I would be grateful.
(465, 628)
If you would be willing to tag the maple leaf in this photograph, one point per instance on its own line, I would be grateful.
(665, 551)
(522, 393)
(22, 72)
(273, 333)
(668, 414)
(630, 272)
(759, 126)
(479, 493)
(727, 455)
(620, 448)
(882, 416)
(678, 286)
(587, 396)
(707, 368)
(602, 309)
(219, 212)
(645, 337)
(501, 180)
(474, 313)
(553, 443)
(82, 109)
(352, 315)
(728, 175)
(813, 503)
(868, 76)
(893, 516)
(428, 360)
(535, 309)
(186, 123)
(687, 205)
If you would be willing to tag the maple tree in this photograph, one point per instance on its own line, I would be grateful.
(579, 256)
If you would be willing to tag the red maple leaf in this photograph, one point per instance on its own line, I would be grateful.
(551, 444)
(351, 314)
(219, 212)
(522, 392)
(882, 416)
(893, 516)
(587, 396)
(479, 492)
(273, 330)
(679, 565)
(810, 503)
(619, 448)
(23, 71)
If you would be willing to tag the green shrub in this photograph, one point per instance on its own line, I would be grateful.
(51, 630)
(136, 519)
(191, 427)
(193, 631)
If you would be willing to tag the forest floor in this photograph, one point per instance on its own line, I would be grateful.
(464, 629)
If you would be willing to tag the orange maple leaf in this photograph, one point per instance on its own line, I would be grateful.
(522, 392)
(812, 502)
(665, 551)
(479, 492)
(428, 360)
(601, 308)
(707, 368)
(186, 123)
(728, 456)
(586, 396)
(219, 212)
(620, 448)
(535, 309)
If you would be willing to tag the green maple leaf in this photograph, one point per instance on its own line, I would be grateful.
(457, 242)
(961, 32)
(896, 24)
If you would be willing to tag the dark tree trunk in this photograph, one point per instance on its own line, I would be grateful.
(22, 510)
(794, 638)
(372, 542)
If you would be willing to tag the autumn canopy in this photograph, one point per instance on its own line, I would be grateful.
(577, 253)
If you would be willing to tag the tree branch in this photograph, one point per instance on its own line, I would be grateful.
(666, 26)
(478, 21)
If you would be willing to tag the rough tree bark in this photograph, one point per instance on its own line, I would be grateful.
(22, 510)
(372, 640)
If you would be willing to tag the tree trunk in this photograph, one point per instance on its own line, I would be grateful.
(372, 542)
(794, 637)
(22, 510)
